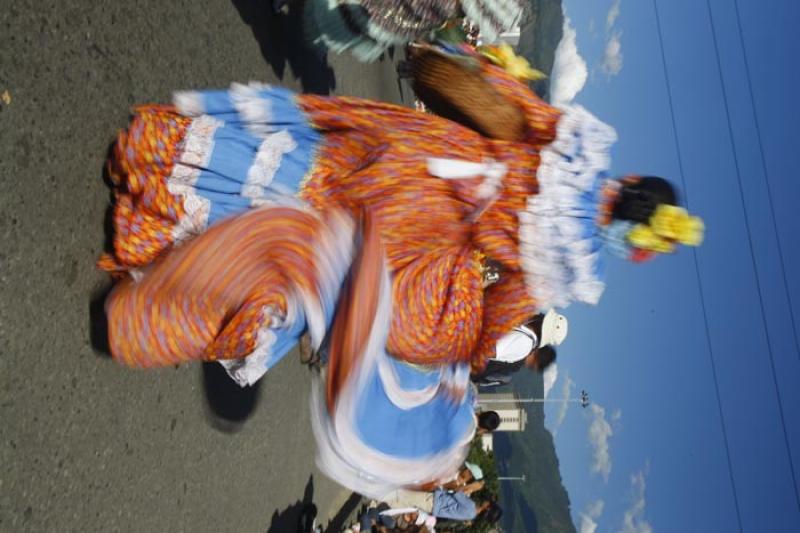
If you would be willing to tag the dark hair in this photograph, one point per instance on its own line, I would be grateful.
(535, 323)
(545, 357)
(638, 200)
(488, 420)
(493, 513)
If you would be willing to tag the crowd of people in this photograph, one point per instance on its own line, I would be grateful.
(420, 254)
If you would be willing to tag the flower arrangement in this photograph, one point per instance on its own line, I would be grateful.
(503, 56)
(668, 225)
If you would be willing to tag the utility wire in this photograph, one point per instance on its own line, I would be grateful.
(752, 253)
(766, 176)
(697, 273)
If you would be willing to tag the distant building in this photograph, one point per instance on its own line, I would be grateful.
(513, 416)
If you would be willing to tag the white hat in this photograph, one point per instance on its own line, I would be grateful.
(554, 329)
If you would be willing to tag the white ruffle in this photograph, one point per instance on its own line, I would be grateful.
(245, 372)
(401, 397)
(342, 454)
(254, 109)
(452, 169)
(198, 144)
(189, 103)
(558, 251)
(266, 164)
(334, 255)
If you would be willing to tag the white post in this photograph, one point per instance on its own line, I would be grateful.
(511, 478)
(529, 400)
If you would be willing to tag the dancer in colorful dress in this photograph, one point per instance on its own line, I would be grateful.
(276, 198)
(367, 28)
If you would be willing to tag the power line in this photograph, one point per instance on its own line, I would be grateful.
(697, 273)
(752, 253)
(766, 176)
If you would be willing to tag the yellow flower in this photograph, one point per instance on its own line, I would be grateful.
(675, 223)
(642, 236)
(503, 55)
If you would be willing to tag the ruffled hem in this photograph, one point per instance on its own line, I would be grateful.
(361, 439)
(198, 145)
(247, 371)
(216, 176)
(559, 237)
(334, 255)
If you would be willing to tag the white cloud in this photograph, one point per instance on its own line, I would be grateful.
(612, 57)
(633, 521)
(566, 392)
(569, 69)
(550, 376)
(590, 515)
(588, 525)
(599, 433)
(613, 13)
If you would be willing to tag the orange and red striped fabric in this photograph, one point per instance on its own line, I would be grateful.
(207, 299)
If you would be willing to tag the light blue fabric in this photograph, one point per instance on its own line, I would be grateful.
(453, 505)
(429, 429)
(615, 237)
(285, 339)
(411, 378)
(251, 119)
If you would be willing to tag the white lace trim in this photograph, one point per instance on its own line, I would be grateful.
(557, 258)
(247, 371)
(198, 144)
(266, 163)
(137, 274)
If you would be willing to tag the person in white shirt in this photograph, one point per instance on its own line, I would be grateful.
(531, 344)
(549, 329)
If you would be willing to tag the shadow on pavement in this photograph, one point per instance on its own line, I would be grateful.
(98, 323)
(339, 521)
(229, 405)
(299, 516)
(283, 42)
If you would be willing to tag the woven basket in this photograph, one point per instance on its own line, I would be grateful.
(453, 88)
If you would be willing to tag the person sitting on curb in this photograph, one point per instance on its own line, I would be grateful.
(447, 504)
(383, 519)
(471, 472)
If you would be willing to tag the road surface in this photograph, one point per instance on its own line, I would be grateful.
(85, 444)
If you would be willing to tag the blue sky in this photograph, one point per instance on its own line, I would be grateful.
(651, 454)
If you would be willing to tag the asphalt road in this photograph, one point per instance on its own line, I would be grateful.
(85, 444)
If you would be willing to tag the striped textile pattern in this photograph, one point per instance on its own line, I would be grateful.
(207, 299)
